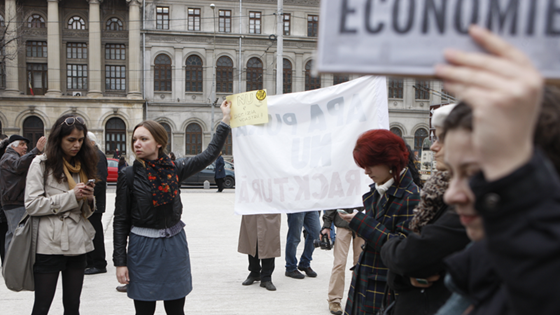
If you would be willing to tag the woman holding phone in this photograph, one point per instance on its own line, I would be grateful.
(389, 204)
(148, 212)
(57, 193)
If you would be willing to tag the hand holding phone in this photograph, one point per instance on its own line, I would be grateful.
(342, 211)
(90, 182)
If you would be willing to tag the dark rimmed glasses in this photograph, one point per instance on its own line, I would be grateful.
(72, 120)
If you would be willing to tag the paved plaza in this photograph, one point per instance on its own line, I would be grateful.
(218, 270)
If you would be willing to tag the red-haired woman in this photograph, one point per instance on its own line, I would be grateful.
(389, 205)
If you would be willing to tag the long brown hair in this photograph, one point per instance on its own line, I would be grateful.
(87, 156)
(157, 131)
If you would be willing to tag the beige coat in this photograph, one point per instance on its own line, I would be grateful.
(261, 228)
(63, 226)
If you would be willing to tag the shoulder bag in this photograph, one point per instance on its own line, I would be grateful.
(20, 257)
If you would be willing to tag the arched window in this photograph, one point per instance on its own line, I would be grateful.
(397, 131)
(35, 21)
(168, 130)
(193, 139)
(254, 74)
(193, 77)
(224, 75)
(340, 78)
(76, 23)
(287, 75)
(419, 137)
(311, 82)
(33, 129)
(115, 136)
(162, 73)
(114, 24)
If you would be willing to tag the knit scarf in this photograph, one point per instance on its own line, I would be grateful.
(431, 200)
(68, 168)
(163, 180)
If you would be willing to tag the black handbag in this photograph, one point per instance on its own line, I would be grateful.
(20, 257)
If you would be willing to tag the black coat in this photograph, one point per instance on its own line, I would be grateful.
(100, 189)
(138, 210)
(521, 213)
(421, 256)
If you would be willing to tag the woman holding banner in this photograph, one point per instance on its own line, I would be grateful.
(148, 212)
(389, 204)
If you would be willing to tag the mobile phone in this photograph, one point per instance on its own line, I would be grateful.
(90, 182)
(422, 281)
(342, 211)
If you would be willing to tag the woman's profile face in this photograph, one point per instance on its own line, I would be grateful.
(145, 146)
(462, 164)
(378, 173)
(72, 143)
(439, 152)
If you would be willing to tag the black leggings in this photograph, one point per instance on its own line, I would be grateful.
(173, 307)
(45, 287)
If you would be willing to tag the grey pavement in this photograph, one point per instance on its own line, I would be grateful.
(217, 269)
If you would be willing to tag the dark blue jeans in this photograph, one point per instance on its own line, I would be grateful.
(296, 221)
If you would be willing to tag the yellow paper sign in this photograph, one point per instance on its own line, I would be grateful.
(248, 108)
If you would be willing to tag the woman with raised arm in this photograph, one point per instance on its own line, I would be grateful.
(148, 212)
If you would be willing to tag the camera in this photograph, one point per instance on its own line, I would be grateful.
(324, 242)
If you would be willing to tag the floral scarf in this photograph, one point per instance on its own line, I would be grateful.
(163, 179)
(431, 200)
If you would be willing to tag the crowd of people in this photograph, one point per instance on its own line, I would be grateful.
(481, 236)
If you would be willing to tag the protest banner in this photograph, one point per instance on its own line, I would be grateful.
(249, 108)
(408, 37)
(301, 160)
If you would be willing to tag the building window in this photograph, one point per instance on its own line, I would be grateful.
(419, 137)
(36, 21)
(162, 73)
(254, 22)
(193, 77)
(114, 24)
(37, 78)
(76, 23)
(162, 18)
(396, 131)
(224, 75)
(312, 25)
(311, 82)
(287, 76)
(168, 131)
(340, 78)
(76, 77)
(76, 51)
(254, 74)
(422, 90)
(115, 78)
(115, 136)
(194, 19)
(395, 88)
(33, 129)
(287, 23)
(115, 52)
(193, 139)
(224, 21)
(36, 49)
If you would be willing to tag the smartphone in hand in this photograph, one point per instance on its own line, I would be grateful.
(342, 211)
(90, 182)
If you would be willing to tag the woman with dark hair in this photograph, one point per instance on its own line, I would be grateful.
(122, 164)
(389, 204)
(148, 212)
(59, 192)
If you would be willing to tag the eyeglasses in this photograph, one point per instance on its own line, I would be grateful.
(71, 120)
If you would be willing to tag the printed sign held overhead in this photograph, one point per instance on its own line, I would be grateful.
(250, 108)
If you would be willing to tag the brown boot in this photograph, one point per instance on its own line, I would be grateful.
(335, 308)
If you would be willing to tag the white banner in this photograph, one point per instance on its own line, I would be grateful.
(408, 37)
(302, 159)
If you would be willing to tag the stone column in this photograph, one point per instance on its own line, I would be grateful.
(94, 50)
(53, 48)
(11, 60)
(178, 75)
(134, 50)
(298, 81)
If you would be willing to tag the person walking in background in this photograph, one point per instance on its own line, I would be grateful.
(96, 262)
(259, 238)
(58, 195)
(14, 166)
(220, 172)
(3, 221)
(345, 237)
(122, 164)
(116, 154)
(389, 204)
(148, 212)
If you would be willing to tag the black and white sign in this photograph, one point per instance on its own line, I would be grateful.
(408, 37)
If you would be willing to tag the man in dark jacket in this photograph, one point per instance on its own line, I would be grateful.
(3, 222)
(96, 262)
(13, 170)
(220, 172)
